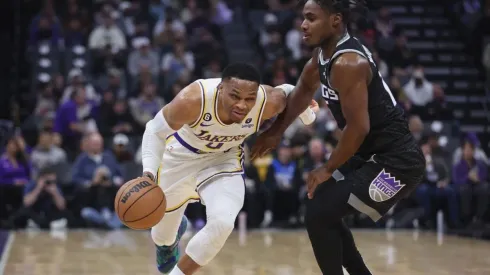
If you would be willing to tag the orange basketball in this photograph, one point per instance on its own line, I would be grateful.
(140, 203)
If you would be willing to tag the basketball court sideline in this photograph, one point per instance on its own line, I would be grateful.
(259, 252)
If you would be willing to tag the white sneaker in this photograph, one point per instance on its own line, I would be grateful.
(32, 224)
(58, 224)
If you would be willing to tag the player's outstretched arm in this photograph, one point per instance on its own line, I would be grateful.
(183, 109)
(276, 103)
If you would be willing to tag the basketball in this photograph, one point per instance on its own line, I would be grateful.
(140, 203)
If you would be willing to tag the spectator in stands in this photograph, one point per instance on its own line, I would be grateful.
(270, 25)
(74, 119)
(176, 63)
(74, 10)
(77, 80)
(167, 29)
(15, 172)
(96, 175)
(283, 181)
(212, 70)
(46, 28)
(397, 91)
(385, 30)
(317, 155)
(257, 203)
(141, 29)
(205, 48)
(118, 120)
(401, 58)
(436, 188)
(15, 163)
(114, 83)
(95, 163)
(46, 154)
(120, 148)
(275, 48)
(479, 154)
(108, 35)
(44, 203)
(294, 39)
(158, 10)
(436, 148)
(46, 101)
(280, 72)
(146, 105)
(419, 91)
(439, 108)
(108, 43)
(220, 12)
(74, 34)
(416, 127)
(470, 177)
(143, 58)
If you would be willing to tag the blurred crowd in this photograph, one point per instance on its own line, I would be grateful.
(101, 69)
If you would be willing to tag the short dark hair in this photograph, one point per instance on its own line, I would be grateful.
(344, 7)
(242, 71)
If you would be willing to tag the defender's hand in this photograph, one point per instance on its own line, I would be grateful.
(316, 177)
(264, 144)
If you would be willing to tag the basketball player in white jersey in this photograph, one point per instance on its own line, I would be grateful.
(200, 136)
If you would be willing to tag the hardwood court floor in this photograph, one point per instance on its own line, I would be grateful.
(279, 253)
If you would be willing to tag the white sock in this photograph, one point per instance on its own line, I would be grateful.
(176, 271)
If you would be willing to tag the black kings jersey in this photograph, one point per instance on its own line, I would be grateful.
(389, 131)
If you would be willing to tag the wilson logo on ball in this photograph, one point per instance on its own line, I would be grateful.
(135, 189)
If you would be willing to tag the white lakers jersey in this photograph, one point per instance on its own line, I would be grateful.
(208, 133)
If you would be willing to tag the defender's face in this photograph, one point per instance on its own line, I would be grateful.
(238, 97)
(317, 24)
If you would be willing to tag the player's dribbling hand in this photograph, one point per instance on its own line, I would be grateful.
(264, 144)
(316, 177)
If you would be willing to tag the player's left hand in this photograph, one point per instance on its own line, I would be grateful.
(316, 177)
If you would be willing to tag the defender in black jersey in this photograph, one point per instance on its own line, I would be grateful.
(377, 161)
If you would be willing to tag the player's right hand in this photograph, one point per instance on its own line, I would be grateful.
(265, 142)
(149, 175)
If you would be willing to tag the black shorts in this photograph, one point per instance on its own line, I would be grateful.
(374, 188)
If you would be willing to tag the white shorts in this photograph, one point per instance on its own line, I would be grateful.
(184, 170)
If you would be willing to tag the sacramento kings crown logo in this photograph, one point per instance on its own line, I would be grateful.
(384, 187)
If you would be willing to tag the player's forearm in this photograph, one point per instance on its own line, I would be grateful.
(153, 144)
(297, 102)
(350, 141)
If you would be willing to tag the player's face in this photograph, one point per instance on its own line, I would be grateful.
(238, 98)
(317, 24)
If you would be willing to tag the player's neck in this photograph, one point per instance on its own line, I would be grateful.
(328, 47)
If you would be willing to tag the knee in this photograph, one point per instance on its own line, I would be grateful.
(221, 226)
(318, 217)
